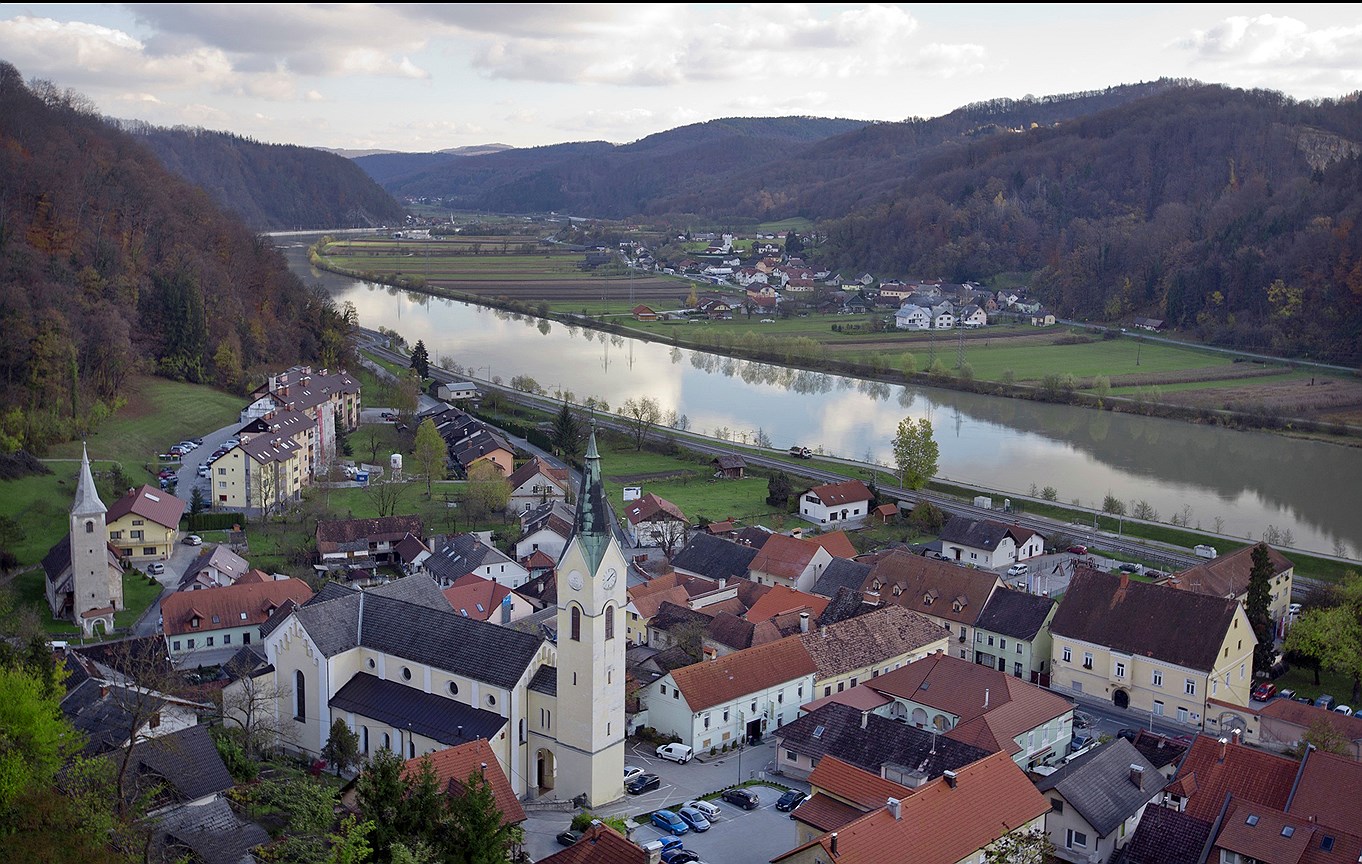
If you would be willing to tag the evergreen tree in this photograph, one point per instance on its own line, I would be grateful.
(1259, 615)
(420, 359)
(778, 489)
(567, 433)
(479, 835)
(380, 790)
(342, 747)
(793, 245)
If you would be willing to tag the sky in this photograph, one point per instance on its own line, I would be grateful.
(418, 77)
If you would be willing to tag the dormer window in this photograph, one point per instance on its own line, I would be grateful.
(898, 589)
(927, 599)
(194, 622)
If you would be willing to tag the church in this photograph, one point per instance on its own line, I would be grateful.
(84, 575)
(404, 671)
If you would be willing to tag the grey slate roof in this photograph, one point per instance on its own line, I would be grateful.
(426, 714)
(1098, 784)
(330, 591)
(545, 681)
(1165, 836)
(974, 533)
(435, 637)
(461, 555)
(1015, 613)
(841, 573)
(211, 833)
(420, 590)
(714, 557)
(882, 741)
(186, 762)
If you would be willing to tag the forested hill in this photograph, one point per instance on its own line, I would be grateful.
(596, 177)
(111, 265)
(1232, 213)
(273, 187)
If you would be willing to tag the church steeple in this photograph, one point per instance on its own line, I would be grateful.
(87, 501)
(593, 512)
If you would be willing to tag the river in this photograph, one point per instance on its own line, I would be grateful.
(1246, 480)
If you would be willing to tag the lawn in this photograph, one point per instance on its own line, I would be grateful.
(138, 594)
(1302, 680)
(687, 482)
(40, 504)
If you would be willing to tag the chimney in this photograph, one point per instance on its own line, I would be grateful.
(506, 609)
(894, 808)
(865, 719)
(951, 778)
(1223, 742)
(723, 581)
(460, 731)
(1125, 580)
(482, 766)
(833, 844)
(1235, 735)
(823, 630)
(1137, 776)
(985, 698)
(803, 622)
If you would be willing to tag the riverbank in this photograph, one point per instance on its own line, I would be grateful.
(807, 354)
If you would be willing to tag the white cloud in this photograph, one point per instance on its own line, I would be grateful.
(1272, 50)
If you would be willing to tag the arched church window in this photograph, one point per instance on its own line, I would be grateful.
(610, 622)
(576, 624)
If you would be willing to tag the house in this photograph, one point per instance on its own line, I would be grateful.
(545, 529)
(331, 399)
(1096, 801)
(867, 646)
(943, 316)
(600, 844)
(456, 391)
(835, 543)
(111, 711)
(844, 502)
(1042, 319)
(1162, 752)
(910, 317)
(780, 600)
(788, 561)
(84, 575)
(643, 313)
(455, 766)
(1282, 723)
(713, 558)
(468, 553)
(205, 627)
(470, 441)
(145, 523)
(951, 595)
(363, 544)
(263, 473)
(839, 794)
(295, 425)
(729, 466)
(927, 827)
(535, 483)
(654, 521)
(180, 768)
(1228, 576)
(886, 513)
(1013, 635)
(980, 706)
(971, 317)
(411, 553)
(988, 543)
(215, 568)
(739, 696)
(482, 599)
(1150, 324)
(1127, 643)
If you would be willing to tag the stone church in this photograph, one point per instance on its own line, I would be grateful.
(84, 575)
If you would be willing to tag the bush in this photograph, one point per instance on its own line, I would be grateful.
(242, 768)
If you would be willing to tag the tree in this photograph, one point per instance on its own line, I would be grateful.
(778, 490)
(429, 451)
(1257, 605)
(1113, 505)
(567, 433)
(420, 359)
(406, 395)
(250, 704)
(1322, 735)
(479, 834)
(197, 503)
(794, 247)
(266, 486)
(386, 496)
(1030, 847)
(487, 490)
(915, 453)
(643, 414)
(380, 791)
(342, 746)
(669, 535)
(1333, 637)
(1049, 493)
(927, 517)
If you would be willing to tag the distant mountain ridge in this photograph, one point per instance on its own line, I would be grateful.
(272, 186)
(468, 150)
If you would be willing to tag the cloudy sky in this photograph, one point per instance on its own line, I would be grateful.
(427, 77)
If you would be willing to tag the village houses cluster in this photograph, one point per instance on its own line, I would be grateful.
(933, 706)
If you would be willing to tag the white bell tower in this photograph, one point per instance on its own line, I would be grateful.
(94, 584)
(591, 642)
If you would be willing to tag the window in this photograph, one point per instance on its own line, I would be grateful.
(191, 642)
(1158, 708)
(138, 522)
(990, 640)
(1087, 659)
(827, 691)
(610, 622)
(453, 689)
(706, 719)
(245, 638)
(791, 755)
(210, 642)
(1057, 805)
(1157, 677)
(801, 691)
(1002, 644)
(89, 527)
(1018, 646)
(1189, 687)
(1068, 655)
(148, 550)
(364, 738)
(576, 624)
(1120, 669)
(222, 472)
(491, 700)
(176, 645)
(406, 674)
(1016, 670)
(300, 698)
(115, 535)
(1075, 839)
(1214, 686)
(1182, 715)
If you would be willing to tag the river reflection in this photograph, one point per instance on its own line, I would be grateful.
(1243, 481)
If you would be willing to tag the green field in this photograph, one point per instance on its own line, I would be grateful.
(138, 594)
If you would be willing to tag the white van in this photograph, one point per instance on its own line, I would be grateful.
(678, 753)
(1204, 551)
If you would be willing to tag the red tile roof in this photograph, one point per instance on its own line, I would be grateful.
(940, 823)
(825, 813)
(837, 544)
(781, 599)
(453, 766)
(475, 597)
(854, 785)
(601, 844)
(936, 588)
(784, 557)
(714, 682)
(651, 508)
(154, 504)
(1330, 791)
(1211, 769)
(538, 465)
(239, 605)
(648, 604)
(833, 494)
(1228, 575)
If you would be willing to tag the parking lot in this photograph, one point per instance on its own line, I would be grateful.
(738, 836)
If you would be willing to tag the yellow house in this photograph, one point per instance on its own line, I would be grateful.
(145, 523)
(266, 471)
(1151, 649)
(1228, 576)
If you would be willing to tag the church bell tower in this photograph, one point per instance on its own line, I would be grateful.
(94, 584)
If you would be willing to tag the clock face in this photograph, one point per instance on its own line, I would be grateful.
(611, 577)
(575, 580)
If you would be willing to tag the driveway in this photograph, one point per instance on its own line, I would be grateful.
(188, 475)
(180, 559)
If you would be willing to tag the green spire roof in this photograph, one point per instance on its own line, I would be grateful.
(593, 513)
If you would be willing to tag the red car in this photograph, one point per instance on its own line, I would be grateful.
(1264, 691)
(1078, 549)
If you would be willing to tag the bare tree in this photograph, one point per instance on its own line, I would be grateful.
(670, 535)
(251, 703)
(643, 414)
(386, 496)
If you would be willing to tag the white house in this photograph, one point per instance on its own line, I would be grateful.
(738, 696)
(971, 317)
(466, 553)
(911, 317)
(943, 317)
(545, 529)
(987, 543)
(654, 521)
(206, 627)
(836, 503)
(535, 483)
(215, 568)
(1096, 801)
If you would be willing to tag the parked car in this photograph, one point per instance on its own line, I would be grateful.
(1128, 567)
(1128, 734)
(643, 783)
(678, 753)
(204, 470)
(1264, 691)
(1305, 700)
(744, 798)
(1294, 609)
(1345, 710)
(1078, 549)
(1083, 720)
(680, 856)
(667, 820)
(1286, 693)
(1079, 742)
(790, 800)
(694, 819)
(1326, 702)
(632, 771)
(568, 837)
(1018, 569)
(192, 540)
(709, 808)
(156, 569)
